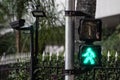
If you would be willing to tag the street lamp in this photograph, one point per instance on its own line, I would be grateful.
(17, 25)
(37, 13)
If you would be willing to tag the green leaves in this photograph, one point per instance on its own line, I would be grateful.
(51, 36)
(7, 44)
(19, 71)
(112, 41)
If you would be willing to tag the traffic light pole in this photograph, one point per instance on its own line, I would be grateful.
(69, 40)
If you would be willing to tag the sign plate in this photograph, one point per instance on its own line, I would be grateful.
(77, 13)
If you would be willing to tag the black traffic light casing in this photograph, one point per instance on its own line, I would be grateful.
(90, 29)
(90, 55)
(17, 24)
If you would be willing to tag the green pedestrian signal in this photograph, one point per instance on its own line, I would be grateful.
(90, 55)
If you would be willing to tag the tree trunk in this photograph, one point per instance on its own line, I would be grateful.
(86, 6)
(18, 42)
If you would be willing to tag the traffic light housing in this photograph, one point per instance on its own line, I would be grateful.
(90, 55)
(90, 29)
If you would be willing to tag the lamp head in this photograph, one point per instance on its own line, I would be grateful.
(17, 24)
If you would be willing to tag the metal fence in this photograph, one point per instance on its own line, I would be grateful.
(107, 73)
(51, 67)
(16, 71)
(51, 71)
(14, 58)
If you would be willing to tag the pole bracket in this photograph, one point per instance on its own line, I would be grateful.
(69, 72)
(77, 13)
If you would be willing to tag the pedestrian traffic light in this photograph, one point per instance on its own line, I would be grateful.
(90, 29)
(90, 55)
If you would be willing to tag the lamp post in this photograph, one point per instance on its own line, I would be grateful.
(17, 26)
(37, 13)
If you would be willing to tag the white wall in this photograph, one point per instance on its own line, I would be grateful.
(105, 8)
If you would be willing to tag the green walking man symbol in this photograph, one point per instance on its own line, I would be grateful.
(89, 56)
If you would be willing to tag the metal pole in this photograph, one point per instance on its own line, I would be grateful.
(32, 52)
(69, 40)
(36, 45)
(36, 34)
